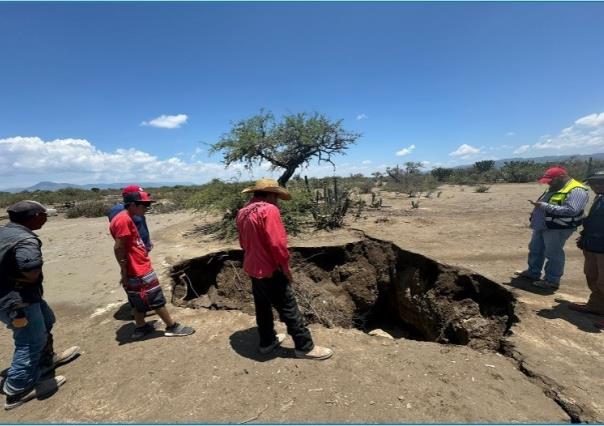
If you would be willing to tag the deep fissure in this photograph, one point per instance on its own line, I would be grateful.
(365, 285)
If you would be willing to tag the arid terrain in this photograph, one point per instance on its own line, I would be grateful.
(549, 372)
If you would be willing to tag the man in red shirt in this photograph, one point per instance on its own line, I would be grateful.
(263, 239)
(137, 276)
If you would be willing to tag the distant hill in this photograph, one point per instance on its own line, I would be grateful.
(54, 186)
(545, 159)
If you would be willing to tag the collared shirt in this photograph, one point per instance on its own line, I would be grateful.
(263, 238)
(20, 251)
(573, 204)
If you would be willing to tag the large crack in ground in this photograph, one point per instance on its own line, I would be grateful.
(375, 284)
(576, 412)
(365, 285)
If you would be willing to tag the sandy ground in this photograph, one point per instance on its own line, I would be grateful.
(551, 373)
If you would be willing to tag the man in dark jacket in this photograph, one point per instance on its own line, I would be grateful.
(591, 242)
(24, 311)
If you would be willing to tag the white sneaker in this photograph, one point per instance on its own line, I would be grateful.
(59, 359)
(40, 390)
(279, 338)
(317, 353)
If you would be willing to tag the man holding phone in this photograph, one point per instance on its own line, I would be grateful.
(556, 215)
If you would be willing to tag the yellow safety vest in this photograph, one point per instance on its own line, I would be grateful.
(563, 222)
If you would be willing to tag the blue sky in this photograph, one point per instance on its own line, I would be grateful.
(102, 92)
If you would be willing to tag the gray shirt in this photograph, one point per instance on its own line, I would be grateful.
(20, 251)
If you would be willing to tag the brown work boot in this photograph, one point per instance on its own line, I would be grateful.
(40, 390)
(317, 353)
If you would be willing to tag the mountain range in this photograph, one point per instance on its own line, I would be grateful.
(54, 186)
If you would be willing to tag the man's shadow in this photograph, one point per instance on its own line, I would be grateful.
(123, 335)
(246, 343)
(526, 284)
(124, 313)
(584, 322)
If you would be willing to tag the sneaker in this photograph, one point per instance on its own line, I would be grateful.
(316, 353)
(583, 308)
(526, 275)
(548, 285)
(178, 330)
(40, 390)
(279, 338)
(64, 357)
(140, 332)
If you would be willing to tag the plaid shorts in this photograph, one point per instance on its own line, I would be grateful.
(145, 293)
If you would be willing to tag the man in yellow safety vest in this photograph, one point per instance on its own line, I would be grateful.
(557, 214)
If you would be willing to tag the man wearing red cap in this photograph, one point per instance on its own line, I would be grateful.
(139, 221)
(137, 276)
(557, 214)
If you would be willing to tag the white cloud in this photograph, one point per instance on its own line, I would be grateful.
(361, 117)
(522, 149)
(465, 151)
(167, 121)
(592, 120)
(586, 134)
(366, 162)
(510, 134)
(76, 160)
(405, 151)
(28, 160)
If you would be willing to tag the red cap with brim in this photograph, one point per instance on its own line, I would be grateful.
(552, 173)
(140, 196)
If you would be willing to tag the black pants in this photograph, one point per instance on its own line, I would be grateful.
(277, 292)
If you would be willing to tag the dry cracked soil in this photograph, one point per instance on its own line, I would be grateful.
(470, 343)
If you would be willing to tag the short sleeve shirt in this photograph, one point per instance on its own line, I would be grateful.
(122, 226)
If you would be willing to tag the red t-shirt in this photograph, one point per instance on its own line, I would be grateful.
(122, 226)
(263, 238)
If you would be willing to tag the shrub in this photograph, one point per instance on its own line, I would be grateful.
(482, 188)
(226, 199)
(88, 209)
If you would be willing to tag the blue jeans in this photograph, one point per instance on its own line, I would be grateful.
(30, 342)
(548, 244)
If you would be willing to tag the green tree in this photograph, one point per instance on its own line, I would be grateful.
(441, 174)
(484, 166)
(287, 144)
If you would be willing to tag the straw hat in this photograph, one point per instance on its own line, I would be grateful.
(269, 185)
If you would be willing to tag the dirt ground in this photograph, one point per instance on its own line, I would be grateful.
(550, 371)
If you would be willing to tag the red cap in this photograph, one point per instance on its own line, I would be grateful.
(552, 173)
(141, 196)
(131, 188)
